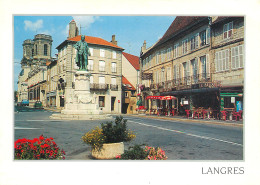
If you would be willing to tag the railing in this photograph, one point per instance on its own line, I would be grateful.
(194, 81)
(95, 86)
(113, 87)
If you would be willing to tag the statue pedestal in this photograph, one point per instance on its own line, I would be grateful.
(82, 105)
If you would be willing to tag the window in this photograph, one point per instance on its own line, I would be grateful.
(91, 51)
(203, 66)
(101, 80)
(101, 100)
(32, 52)
(150, 61)
(102, 65)
(102, 53)
(113, 67)
(163, 56)
(194, 43)
(227, 30)
(203, 38)
(222, 60)
(126, 94)
(91, 80)
(114, 54)
(175, 72)
(90, 65)
(45, 51)
(162, 73)
(168, 76)
(184, 46)
(176, 50)
(113, 80)
(169, 53)
(237, 57)
(157, 58)
(186, 68)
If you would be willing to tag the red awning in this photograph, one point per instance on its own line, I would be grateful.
(160, 97)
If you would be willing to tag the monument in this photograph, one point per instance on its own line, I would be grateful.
(82, 105)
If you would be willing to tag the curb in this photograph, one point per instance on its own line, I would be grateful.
(193, 120)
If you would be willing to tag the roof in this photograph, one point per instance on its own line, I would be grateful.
(223, 18)
(128, 85)
(179, 24)
(94, 40)
(134, 60)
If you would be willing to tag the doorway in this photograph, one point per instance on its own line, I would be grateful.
(113, 99)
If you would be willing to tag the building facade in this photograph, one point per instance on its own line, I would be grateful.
(191, 62)
(32, 78)
(104, 64)
(130, 81)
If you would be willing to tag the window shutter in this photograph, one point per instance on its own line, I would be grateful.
(188, 72)
(208, 36)
(196, 66)
(197, 40)
(236, 58)
(233, 58)
(227, 59)
(207, 66)
(241, 56)
(220, 61)
(224, 60)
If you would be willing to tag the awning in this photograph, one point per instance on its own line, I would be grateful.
(160, 97)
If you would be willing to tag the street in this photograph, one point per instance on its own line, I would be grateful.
(181, 139)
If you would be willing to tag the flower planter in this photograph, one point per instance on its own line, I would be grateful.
(108, 151)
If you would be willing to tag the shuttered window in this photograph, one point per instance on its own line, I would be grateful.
(101, 65)
(176, 50)
(222, 60)
(90, 65)
(91, 51)
(102, 53)
(227, 30)
(184, 46)
(237, 57)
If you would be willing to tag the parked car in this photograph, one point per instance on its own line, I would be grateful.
(25, 103)
(38, 105)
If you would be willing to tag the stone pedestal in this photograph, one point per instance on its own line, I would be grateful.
(82, 105)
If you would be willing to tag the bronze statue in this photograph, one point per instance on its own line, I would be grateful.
(82, 53)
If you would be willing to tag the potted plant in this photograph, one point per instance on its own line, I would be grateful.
(108, 141)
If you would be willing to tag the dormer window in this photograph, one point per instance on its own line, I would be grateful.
(227, 30)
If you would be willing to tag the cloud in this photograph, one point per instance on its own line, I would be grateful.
(29, 25)
(85, 21)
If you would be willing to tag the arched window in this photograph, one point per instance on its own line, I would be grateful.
(32, 52)
(45, 49)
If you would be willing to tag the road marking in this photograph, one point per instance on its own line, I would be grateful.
(23, 128)
(188, 134)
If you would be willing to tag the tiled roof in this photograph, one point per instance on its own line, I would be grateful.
(128, 85)
(222, 18)
(94, 40)
(134, 60)
(179, 23)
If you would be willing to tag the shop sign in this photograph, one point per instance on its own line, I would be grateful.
(233, 99)
(186, 102)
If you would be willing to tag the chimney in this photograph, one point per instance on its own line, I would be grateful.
(143, 47)
(113, 41)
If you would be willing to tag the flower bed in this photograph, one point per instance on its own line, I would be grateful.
(38, 148)
(139, 153)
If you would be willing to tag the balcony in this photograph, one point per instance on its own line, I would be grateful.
(113, 87)
(202, 80)
(99, 87)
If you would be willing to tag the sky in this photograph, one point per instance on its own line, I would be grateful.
(130, 31)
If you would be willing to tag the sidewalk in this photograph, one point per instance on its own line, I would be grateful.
(184, 119)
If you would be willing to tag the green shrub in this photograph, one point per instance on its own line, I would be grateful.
(117, 132)
(136, 152)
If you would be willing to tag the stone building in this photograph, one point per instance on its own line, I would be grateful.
(105, 65)
(228, 53)
(32, 79)
(183, 63)
(130, 81)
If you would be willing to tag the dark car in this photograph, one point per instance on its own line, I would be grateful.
(38, 105)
